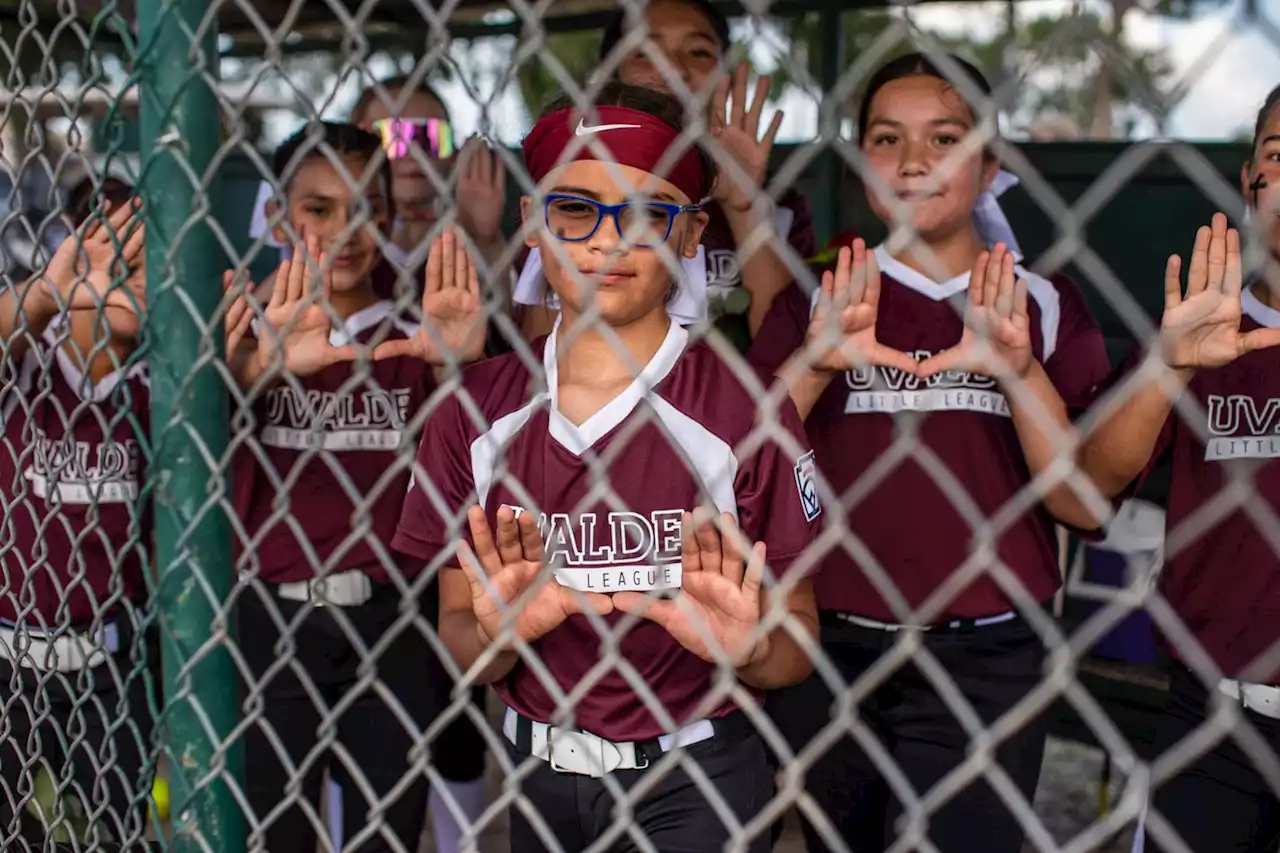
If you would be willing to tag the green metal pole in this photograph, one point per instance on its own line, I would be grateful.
(189, 417)
(830, 167)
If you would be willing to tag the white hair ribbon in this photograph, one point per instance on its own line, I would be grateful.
(687, 307)
(993, 226)
(258, 225)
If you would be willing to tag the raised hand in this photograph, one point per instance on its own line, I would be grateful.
(842, 331)
(997, 332)
(1202, 328)
(719, 598)
(482, 192)
(453, 322)
(296, 324)
(737, 129)
(93, 266)
(509, 585)
(239, 317)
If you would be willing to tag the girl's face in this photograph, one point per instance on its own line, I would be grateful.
(914, 126)
(1263, 172)
(323, 201)
(630, 283)
(685, 36)
(410, 184)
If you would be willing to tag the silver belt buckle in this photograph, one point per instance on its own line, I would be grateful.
(582, 753)
(320, 592)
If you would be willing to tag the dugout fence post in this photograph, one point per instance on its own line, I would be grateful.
(178, 69)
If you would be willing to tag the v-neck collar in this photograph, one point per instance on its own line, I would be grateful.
(577, 438)
(938, 291)
(1254, 307)
(75, 376)
(366, 318)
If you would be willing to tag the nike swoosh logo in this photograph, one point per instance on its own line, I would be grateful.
(583, 129)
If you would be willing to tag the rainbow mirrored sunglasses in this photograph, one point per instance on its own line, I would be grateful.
(433, 135)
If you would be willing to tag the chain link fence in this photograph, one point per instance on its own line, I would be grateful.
(236, 489)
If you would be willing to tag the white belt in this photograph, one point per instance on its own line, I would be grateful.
(1262, 699)
(345, 589)
(66, 651)
(571, 751)
(956, 623)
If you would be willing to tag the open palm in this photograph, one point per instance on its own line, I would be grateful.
(736, 128)
(716, 614)
(89, 268)
(1202, 328)
(453, 321)
(842, 329)
(509, 585)
(296, 325)
(996, 341)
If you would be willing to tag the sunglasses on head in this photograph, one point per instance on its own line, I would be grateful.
(434, 136)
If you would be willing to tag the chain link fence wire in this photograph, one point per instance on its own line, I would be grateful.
(205, 626)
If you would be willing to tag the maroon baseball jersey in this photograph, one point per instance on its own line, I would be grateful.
(309, 429)
(724, 272)
(671, 441)
(75, 537)
(1221, 559)
(960, 438)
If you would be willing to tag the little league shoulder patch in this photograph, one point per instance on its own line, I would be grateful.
(806, 483)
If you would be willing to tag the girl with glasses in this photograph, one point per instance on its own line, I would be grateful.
(573, 575)
(686, 48)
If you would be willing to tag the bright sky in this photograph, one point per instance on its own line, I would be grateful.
(1230, 67)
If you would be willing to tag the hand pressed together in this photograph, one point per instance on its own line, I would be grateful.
(510, 584)
(716, 613)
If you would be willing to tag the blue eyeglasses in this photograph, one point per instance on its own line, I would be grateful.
(573, 219)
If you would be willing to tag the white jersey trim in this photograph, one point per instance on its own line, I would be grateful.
(711, 460)
(1043, 291)
(79, 380)
(576, 438)
(710, 457)
(490, 446)
(1262, 314)
(357, 323)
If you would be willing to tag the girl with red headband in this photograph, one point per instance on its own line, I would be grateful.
(931, 416)
(686, 48)
(574, 576)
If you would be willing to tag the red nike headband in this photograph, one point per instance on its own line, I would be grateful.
(631, 137)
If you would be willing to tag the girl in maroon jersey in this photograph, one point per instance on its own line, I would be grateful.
(931, 418)
(1215, 358)
(322, 608)
(603, 681)
(73, 655)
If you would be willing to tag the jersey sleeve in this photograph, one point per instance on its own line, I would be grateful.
(781, 334)
(441, 489)
(1078, 366)
(778, 494)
